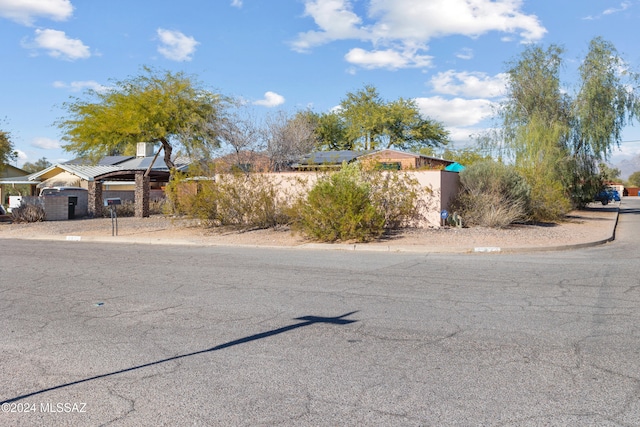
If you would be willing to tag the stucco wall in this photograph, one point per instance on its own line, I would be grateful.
(441, 187)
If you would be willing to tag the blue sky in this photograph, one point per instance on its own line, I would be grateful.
(286, 55)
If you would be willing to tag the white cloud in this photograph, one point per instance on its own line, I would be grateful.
(464, 136)
(271, 99)
(236, 3)
(469, 84)
(59, 45)
(336, 20)
(79, 86)
(465, 53)
(45, 143)
(22, 156)
(610, 11)
(623, 6)
(175, 45)
(456, 112)
(408, 25)
(26, 11)
(389, 58)
(423, 20)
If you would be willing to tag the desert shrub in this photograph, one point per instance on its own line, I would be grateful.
(356, 204)
(397, 196)
(235, 199)
(549, 201)
(492, 195)
(28, 212)
(339, 207)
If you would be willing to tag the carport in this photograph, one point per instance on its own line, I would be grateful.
(142, 179)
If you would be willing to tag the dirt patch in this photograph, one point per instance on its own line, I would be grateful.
(592, 224)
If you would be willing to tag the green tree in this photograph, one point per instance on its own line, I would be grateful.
(605, 104)
(634, 179)
(556, 140)
(465, 156)
(608, 173)
(372, 123)
(158, 107)
(37, 166)
(536, 128)
(7, 152)
(330, 131)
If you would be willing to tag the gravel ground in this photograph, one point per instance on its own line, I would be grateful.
(596, 223)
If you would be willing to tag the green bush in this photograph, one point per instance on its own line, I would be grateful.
(339, 207)
(356, 204)
(492, 195)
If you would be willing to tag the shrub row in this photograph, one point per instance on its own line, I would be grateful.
(352, 204)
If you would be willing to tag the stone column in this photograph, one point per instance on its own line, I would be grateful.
(142, 195)
(95, 199)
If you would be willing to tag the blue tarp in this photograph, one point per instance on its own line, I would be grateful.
(454, 167)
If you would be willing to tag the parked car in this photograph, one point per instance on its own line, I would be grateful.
(607, 195)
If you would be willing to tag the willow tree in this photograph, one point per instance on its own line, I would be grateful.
(171, 109)
(536, 127)
(604, 105)
(556, 139)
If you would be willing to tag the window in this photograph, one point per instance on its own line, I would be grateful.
(390, 166)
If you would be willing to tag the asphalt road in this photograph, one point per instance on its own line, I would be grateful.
(130, 335)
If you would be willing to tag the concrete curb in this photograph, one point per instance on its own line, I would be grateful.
(338, 246)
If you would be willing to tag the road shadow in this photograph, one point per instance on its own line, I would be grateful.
(305, 321)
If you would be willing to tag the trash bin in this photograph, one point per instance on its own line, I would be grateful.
(73, 201)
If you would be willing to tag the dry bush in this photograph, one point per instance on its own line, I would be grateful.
(236, 199)
(492, 195)
(27, 212)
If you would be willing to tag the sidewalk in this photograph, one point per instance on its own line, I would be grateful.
(592, 226)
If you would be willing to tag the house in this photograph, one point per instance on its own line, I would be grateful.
(242, 161)
(135, 178)
(12, 176)
(391, 159)
(327, 159)
(388, 158)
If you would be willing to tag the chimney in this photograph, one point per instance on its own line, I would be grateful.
(144, 149)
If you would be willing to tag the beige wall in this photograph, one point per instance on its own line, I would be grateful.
(441, 186)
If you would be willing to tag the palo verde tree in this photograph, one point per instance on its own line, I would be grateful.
(168, 108)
